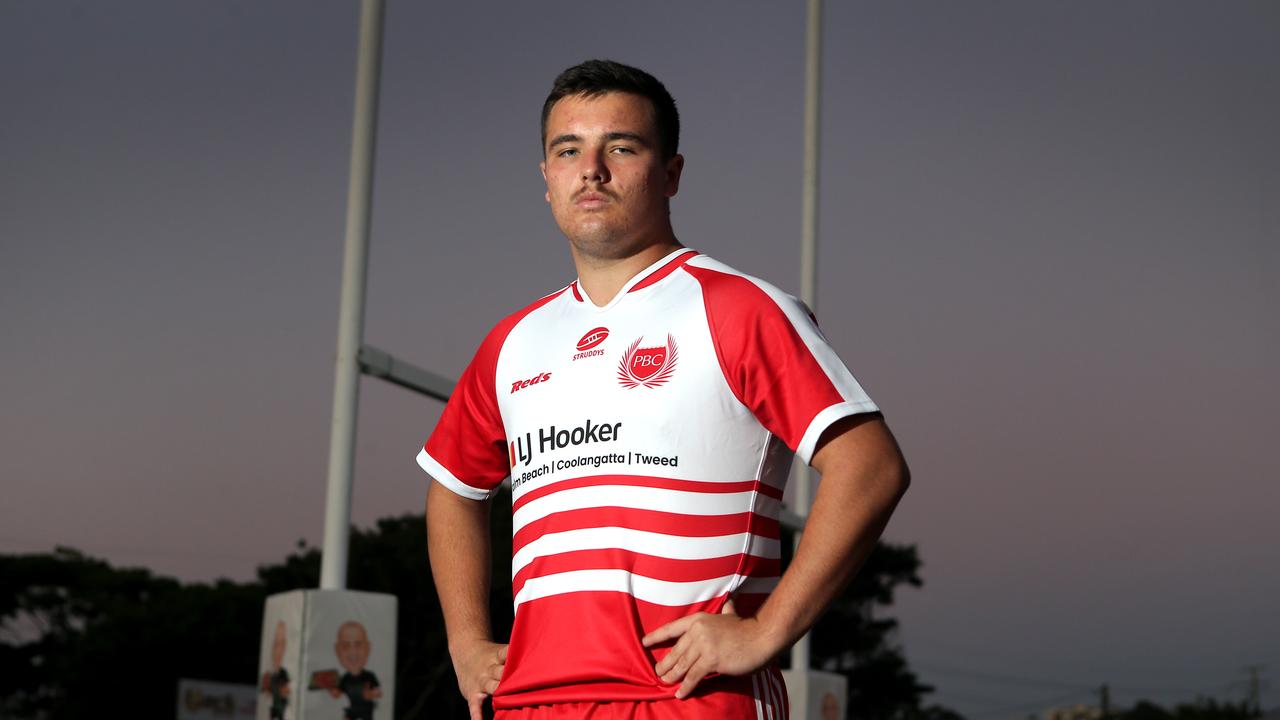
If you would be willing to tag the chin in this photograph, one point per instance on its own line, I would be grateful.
(603, 245)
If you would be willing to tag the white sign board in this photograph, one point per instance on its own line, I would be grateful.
(327, 655)
(205, 700)
(816, 695)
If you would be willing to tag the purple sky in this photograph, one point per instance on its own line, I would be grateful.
(1050, 250)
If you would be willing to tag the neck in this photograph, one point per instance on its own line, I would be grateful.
(602, 278)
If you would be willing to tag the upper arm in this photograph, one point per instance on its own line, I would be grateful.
(861, 445)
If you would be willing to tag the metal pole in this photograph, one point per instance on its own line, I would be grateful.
(346, 384)
(809, 248)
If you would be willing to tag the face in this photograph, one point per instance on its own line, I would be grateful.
(277, 644)
(352, 647)
(830, 707)
(607, 183)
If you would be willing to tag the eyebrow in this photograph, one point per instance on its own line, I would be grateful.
(570, 138)
(561, 139)
(626, 136)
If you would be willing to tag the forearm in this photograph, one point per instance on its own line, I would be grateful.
(459, 550)
(855, 499)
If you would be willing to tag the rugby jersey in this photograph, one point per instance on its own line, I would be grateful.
(648, 444)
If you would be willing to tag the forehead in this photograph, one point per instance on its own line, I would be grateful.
(351, 633)
(586, 116)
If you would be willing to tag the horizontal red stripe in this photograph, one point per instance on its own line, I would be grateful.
(647, 520)
(701, 486)
(771, 491)
(650, 566)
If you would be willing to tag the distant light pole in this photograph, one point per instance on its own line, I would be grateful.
(354, 357)
(809, 248)
(346, 384)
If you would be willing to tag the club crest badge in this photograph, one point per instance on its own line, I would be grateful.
(648, 367)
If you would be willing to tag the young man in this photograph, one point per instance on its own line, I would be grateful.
(647, 414)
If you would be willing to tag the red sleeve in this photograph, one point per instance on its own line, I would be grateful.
(776, 361)
(467, 451)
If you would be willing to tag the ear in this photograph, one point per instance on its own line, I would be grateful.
(675, 166)
(542, 167)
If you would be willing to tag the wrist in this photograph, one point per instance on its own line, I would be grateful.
(774, 635)
(464, 645)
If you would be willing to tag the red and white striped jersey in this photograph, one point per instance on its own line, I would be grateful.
(648, 444)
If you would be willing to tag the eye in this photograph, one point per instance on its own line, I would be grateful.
(623, 149)
(567, 152)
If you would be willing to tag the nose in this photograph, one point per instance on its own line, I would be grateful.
(594, 168)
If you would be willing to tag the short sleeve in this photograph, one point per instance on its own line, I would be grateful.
(776, 360)
(467, 450)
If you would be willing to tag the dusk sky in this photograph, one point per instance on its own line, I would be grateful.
(1050, 251)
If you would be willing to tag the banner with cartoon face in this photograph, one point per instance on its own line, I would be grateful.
(345, 656)
(349, 656)
(280, 657)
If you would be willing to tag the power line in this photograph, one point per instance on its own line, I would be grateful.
(1042, 682)
(1003, 678)
(1025, 707)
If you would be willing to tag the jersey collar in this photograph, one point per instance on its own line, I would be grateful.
(643, 279)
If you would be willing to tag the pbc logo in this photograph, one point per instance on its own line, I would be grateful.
(522, 384)
(589, 341)
(649, 367)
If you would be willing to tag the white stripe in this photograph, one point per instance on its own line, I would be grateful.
(658, 592)
(442, 475)
(759, 585)
(674, 547)
(645, 498)
(776, 681)
(755, 691)
(824, 419)
(768, 694)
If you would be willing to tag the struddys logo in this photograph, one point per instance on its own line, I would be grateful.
(587, 346)
(648, 367)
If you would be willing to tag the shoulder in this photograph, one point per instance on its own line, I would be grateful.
(493, 341)
(731, 294)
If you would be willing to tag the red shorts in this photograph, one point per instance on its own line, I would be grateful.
(759, 696)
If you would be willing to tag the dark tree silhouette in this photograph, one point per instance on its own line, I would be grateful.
(853, 640)
(79, 635)
(1203, 709)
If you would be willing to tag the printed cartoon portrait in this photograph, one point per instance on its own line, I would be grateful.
(357, 683)
(275, 682)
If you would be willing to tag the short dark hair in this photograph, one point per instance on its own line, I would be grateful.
(598, 77)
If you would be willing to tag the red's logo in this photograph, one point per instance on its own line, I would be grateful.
(522, 384)
(593, 338)
(649, 367)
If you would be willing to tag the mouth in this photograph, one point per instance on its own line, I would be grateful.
(591, 200)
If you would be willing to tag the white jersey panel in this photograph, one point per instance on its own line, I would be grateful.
(587, 415)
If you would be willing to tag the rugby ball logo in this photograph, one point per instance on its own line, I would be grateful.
(593, 338)
(650, 366)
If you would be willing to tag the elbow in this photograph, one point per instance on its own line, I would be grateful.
(901, 477)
